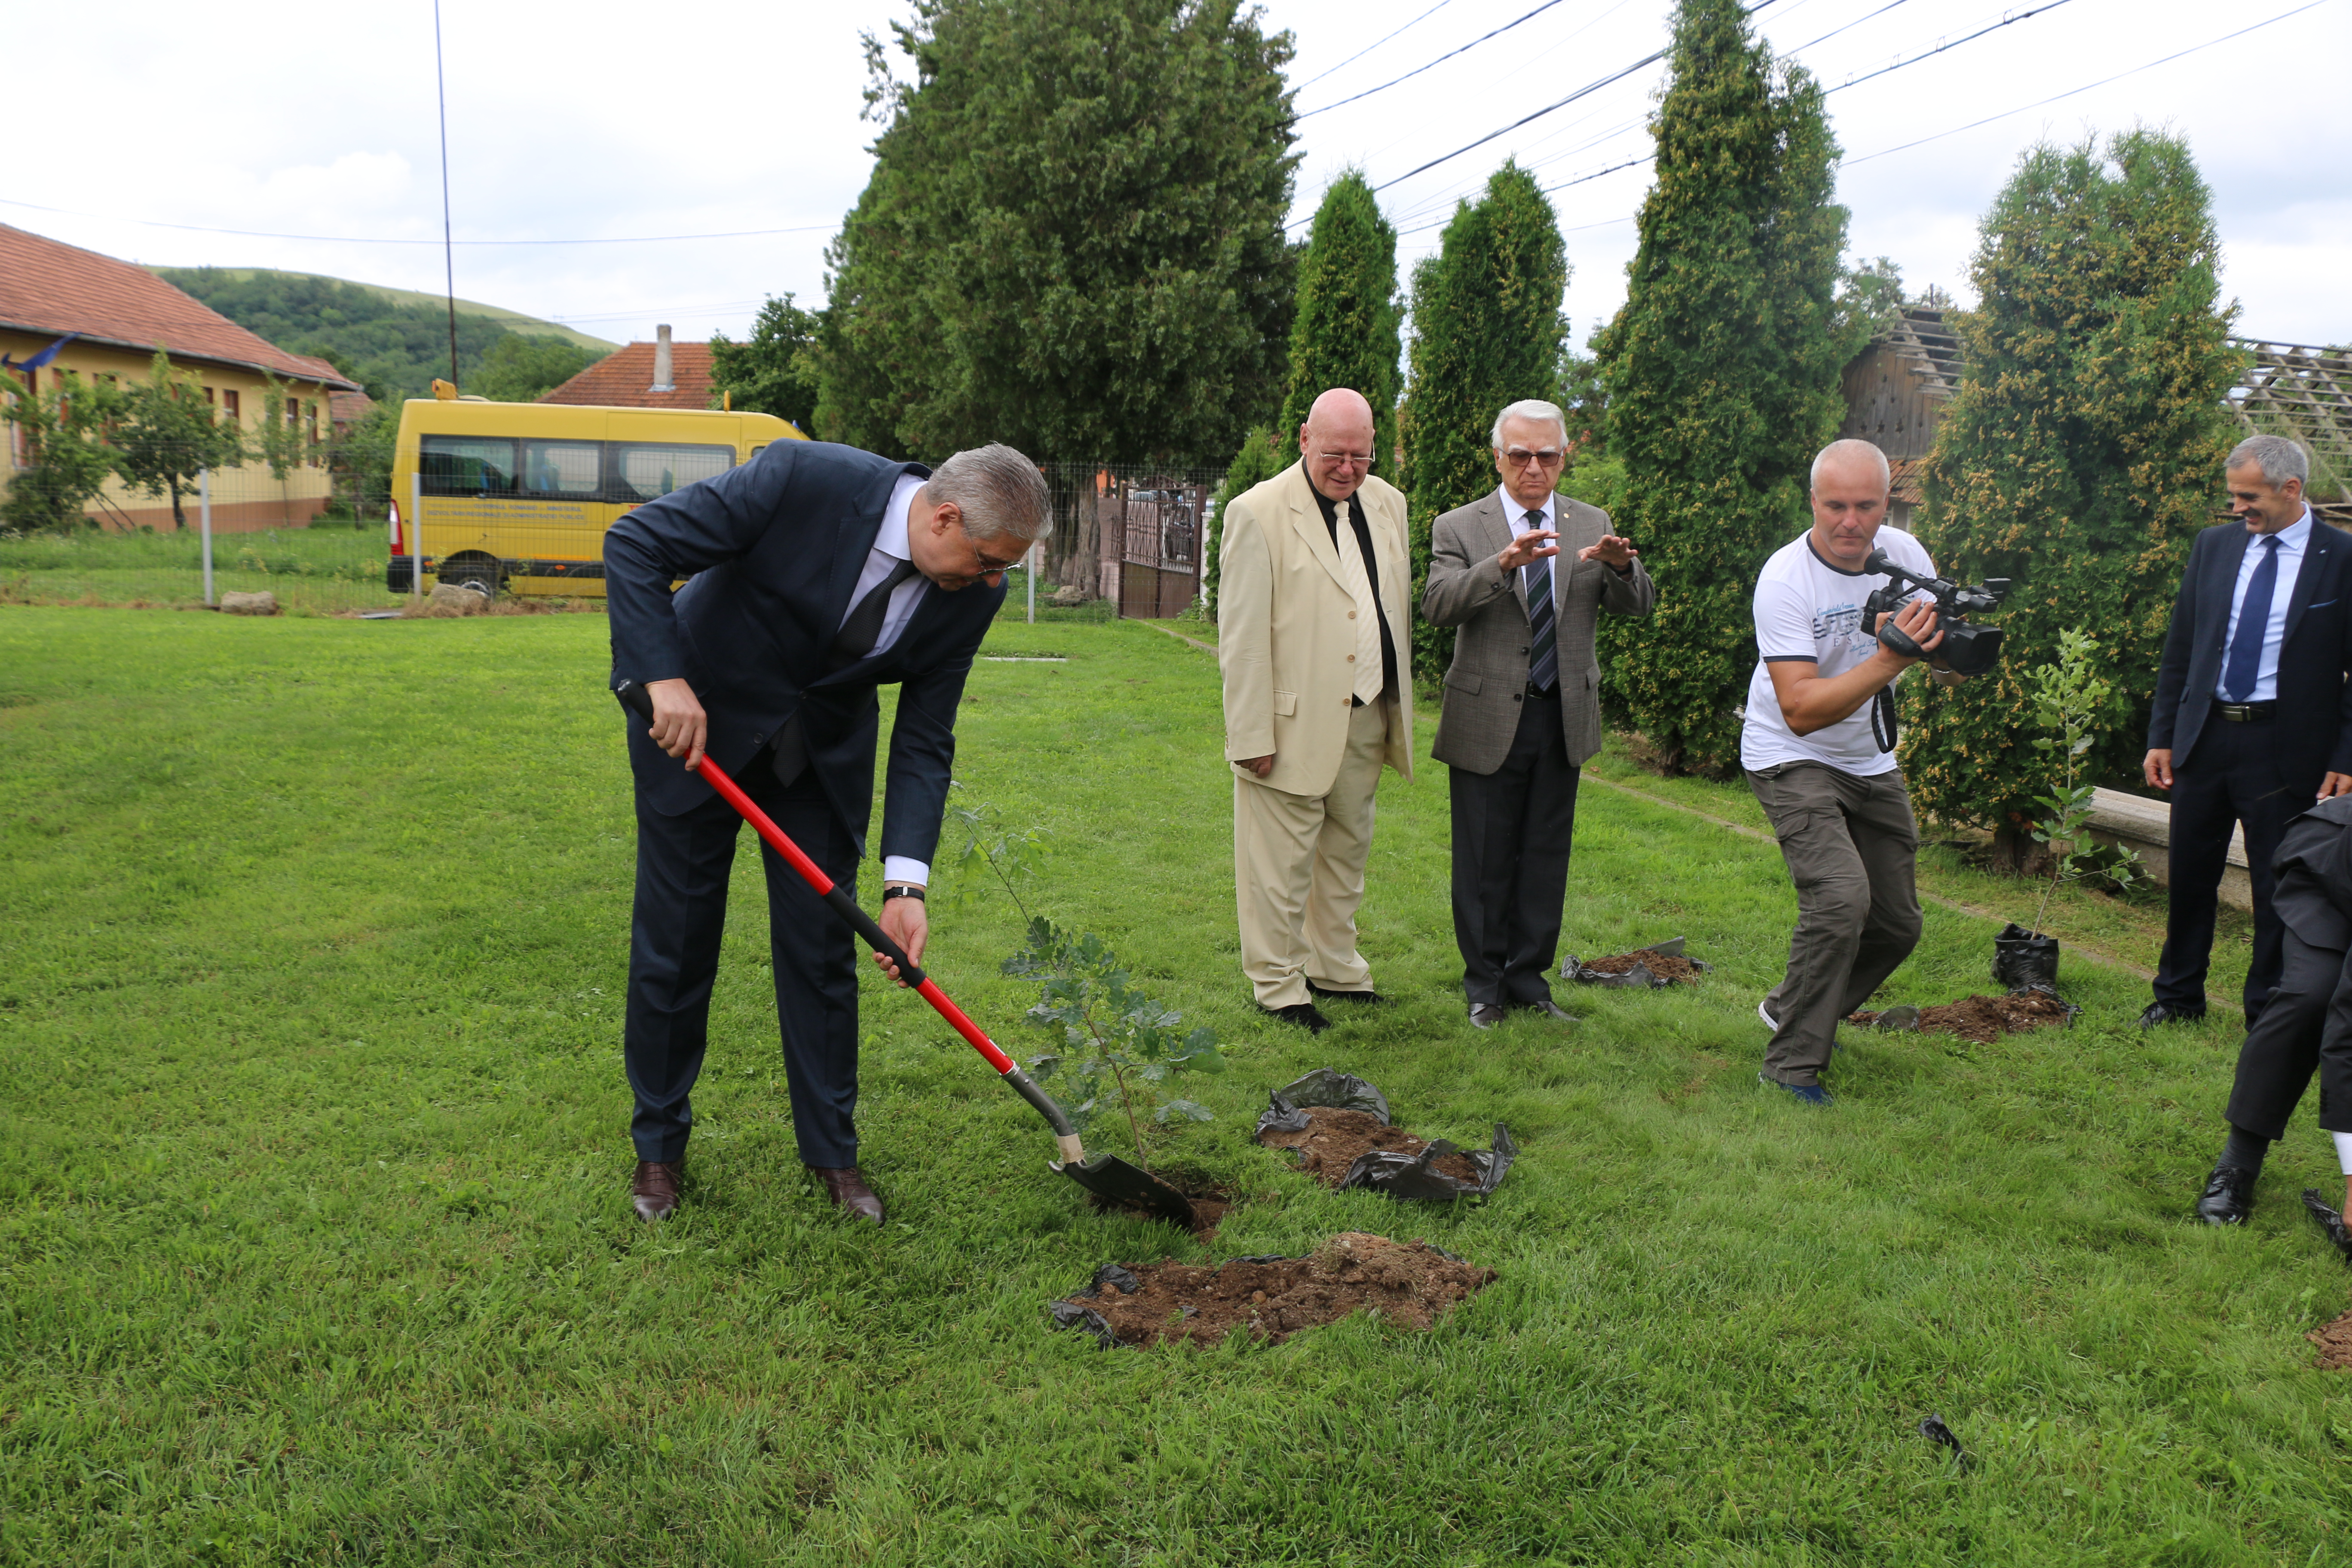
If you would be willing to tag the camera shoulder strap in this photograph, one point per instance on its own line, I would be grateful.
(1884, 725)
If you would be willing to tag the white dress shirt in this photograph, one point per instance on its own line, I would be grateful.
(890, 547)
(2291, 540)
(1516, 511)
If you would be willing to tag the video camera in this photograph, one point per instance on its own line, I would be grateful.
(1967, 648)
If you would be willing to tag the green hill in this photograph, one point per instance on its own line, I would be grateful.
(393, 340)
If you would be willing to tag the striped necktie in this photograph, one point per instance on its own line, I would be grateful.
(1543, 640)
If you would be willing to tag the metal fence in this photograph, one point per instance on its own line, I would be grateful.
(1130, 536)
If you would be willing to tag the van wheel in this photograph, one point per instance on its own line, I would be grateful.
(476, 571)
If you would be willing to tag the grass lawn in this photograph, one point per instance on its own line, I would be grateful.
(314, 1247)
(328, 567)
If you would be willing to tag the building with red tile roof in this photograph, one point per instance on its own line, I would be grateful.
(632, 377)
(79, 313)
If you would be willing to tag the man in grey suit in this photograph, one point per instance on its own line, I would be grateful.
(1522, 709)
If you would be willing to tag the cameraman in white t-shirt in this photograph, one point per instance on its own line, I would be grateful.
(1816, 763)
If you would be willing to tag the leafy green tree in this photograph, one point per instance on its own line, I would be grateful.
(1345, 334)
(1486, 331)
(2079, 458)
(520, 366)
(774, 371)
(283, 440)
(1072, 239)
(62, 436)
(359, 460)
(167, 434)
(1721, 372)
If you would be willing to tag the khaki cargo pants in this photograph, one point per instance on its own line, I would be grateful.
(1852, 846)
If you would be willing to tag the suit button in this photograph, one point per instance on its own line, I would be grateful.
(1351, 614)
(1351, 658)
(1523, 651)
(1516, 696)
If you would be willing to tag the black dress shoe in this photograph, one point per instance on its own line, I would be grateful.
(1486, 1015)
(1371, 997)
(847, 1189)
(2229, 1195)
(652, 1192)
(1302, 1014)
(1550, 1009)
(2166, 1012)
(2330, 1222)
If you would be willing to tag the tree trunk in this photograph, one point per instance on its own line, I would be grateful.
(2014, 853)
(179, 517)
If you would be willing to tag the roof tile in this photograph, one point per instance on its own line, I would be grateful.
(623, 379)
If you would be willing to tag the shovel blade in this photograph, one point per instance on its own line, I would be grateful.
(1116, 1181)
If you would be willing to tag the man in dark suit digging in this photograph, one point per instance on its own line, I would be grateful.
(814, 575)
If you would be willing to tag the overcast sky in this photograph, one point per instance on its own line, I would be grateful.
(596, 121)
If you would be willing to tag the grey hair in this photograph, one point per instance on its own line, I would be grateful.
(1531, 408)
(1846, 448)
(2280, 458)
(1000, 493)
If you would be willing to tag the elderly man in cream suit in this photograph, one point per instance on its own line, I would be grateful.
(1524, 574)
(1315, 647)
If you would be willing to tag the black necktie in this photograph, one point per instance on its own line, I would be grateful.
(863, 629)
(1543, 667)
(856, 639)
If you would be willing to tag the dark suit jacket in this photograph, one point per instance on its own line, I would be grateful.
(2315, 717)
(771, 551)
(2315, 872)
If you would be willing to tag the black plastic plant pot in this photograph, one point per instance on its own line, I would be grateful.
(2025, 958)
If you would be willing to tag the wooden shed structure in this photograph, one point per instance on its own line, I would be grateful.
(1895, 390)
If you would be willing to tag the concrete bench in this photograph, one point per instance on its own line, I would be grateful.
(2145, 826)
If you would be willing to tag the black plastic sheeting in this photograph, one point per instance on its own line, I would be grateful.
(1639, 977)
(1934, 1431)
(2024, 960)
(1409, 1177)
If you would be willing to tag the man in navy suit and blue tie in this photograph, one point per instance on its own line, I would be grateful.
(814, 575)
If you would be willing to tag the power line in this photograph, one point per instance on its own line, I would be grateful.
(361, 239)
(2070, 92)
(1368, 49)
(1940, 48)
(1857, 22)
(1440, 60)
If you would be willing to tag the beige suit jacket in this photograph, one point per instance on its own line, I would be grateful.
(1285, 636)
(1489, 679)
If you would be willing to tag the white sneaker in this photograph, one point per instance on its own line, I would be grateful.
(1769, 1022)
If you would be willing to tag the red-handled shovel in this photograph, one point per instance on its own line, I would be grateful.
(1106, 1176)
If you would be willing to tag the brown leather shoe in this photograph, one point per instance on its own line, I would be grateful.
(653, 1192)
(847, 1189)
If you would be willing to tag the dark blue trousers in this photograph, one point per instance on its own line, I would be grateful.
(2233, 778)
(674, 935)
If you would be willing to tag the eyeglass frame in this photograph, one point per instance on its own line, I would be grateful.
(1349, 460)
(1543, 458)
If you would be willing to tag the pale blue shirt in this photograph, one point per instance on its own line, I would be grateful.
(890, 547)
(2291, 540)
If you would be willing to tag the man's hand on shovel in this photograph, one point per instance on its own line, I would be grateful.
(905, 922)
(680, 727)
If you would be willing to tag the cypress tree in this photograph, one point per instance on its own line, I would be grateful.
(2079, 458)
(1721, 372)
(1346, 333)
(1486, 331)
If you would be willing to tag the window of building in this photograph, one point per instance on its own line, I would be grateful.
(231, 409)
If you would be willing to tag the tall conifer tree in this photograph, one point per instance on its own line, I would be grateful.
(1721, 372)
(1486, 331)
(2079, 456)
(1346, 333)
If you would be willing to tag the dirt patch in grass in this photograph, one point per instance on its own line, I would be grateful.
(2335, 1343)
(1666, 966)
(1335, 1138)
(1410, 1283)
(1210, 1202)
(1985, 1019)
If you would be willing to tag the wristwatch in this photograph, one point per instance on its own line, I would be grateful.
(914, 893)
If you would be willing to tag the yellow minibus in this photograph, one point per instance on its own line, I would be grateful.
(516, 496)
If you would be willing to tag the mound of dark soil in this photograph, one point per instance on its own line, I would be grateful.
(1985, 1019)
(1411, 1283)
(1335, 1138)
(1664, 965)
(2335, 1343)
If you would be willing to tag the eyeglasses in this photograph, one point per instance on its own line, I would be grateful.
(1520, 457)
(990, 566)
(1346, 459)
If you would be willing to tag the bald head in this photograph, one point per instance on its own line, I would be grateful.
(1336, 442)
(1851, 479)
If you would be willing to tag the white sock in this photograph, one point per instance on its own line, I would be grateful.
(2344, 1151)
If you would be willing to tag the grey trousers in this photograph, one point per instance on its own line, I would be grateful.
(1852, 846)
